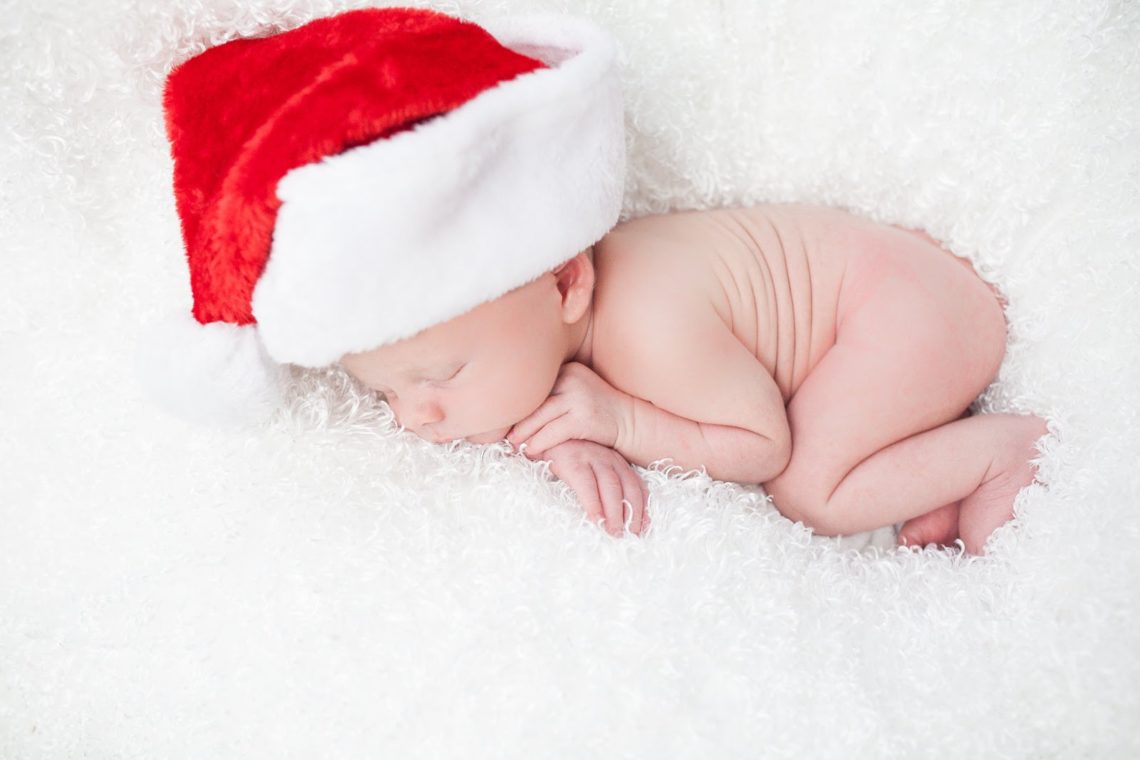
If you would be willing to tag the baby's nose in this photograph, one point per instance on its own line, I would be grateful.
(416, 414)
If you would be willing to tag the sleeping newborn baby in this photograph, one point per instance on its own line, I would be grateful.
(830, 359)
(826, 357)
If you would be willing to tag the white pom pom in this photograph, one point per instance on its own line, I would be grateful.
(217, 373)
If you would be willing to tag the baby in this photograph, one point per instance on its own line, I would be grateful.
(382, 200)
(826, 357)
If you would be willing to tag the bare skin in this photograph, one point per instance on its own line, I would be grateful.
(826, 357)
(475, 376)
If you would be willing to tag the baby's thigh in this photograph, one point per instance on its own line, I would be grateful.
(920, 346)
(921, 312)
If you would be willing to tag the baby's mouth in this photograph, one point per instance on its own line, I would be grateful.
(489, 436)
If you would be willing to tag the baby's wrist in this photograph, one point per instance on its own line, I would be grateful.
(626, 439)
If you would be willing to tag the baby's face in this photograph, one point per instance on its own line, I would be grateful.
(476, 375)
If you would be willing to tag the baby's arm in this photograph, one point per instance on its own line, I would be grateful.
(699, 396)
(685, 389)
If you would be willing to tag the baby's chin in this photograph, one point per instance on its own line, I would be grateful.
(491, 436)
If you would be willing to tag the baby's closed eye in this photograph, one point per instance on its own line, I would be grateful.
(452, 375)
(438, 379)
(434, 378)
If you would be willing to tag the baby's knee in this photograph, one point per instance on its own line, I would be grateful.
(800, 497)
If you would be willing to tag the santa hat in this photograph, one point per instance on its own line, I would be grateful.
(365, 176)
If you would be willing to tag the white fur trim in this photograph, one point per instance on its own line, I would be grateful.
(217, 373)
(382, 241)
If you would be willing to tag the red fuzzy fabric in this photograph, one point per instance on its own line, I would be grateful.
(241, 115)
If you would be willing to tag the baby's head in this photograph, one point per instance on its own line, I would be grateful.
(476, 375)
(450, 163)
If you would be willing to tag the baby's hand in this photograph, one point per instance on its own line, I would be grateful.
(581, 406)
(602, 479)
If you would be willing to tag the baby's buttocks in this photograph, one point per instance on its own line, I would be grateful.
(772, 273)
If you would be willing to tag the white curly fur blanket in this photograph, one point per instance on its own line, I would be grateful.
(329, 587)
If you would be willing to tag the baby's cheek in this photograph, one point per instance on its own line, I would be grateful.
(519, 395)
(518, 383)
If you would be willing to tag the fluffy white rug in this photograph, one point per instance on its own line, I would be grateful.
(331, 588)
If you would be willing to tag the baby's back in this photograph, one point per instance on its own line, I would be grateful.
(771, 273)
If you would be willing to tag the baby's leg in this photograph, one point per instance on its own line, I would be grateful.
(937, 527)
(875, 434)
(982, 461)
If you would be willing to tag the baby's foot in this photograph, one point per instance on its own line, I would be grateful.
(939, 526)
(991, 505)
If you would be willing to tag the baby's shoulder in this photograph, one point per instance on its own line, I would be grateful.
(639, 268)
(653, 256)
(648, 286)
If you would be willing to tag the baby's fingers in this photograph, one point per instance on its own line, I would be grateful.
(644, 500)
(610, 491)
(558, 430)
(549, 410)
(581, 480)
(635, 494)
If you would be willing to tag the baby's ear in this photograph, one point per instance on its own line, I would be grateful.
(575, 280)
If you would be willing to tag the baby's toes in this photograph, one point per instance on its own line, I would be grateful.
(939, 526)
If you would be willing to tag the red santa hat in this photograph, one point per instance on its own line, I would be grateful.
(360, 178)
